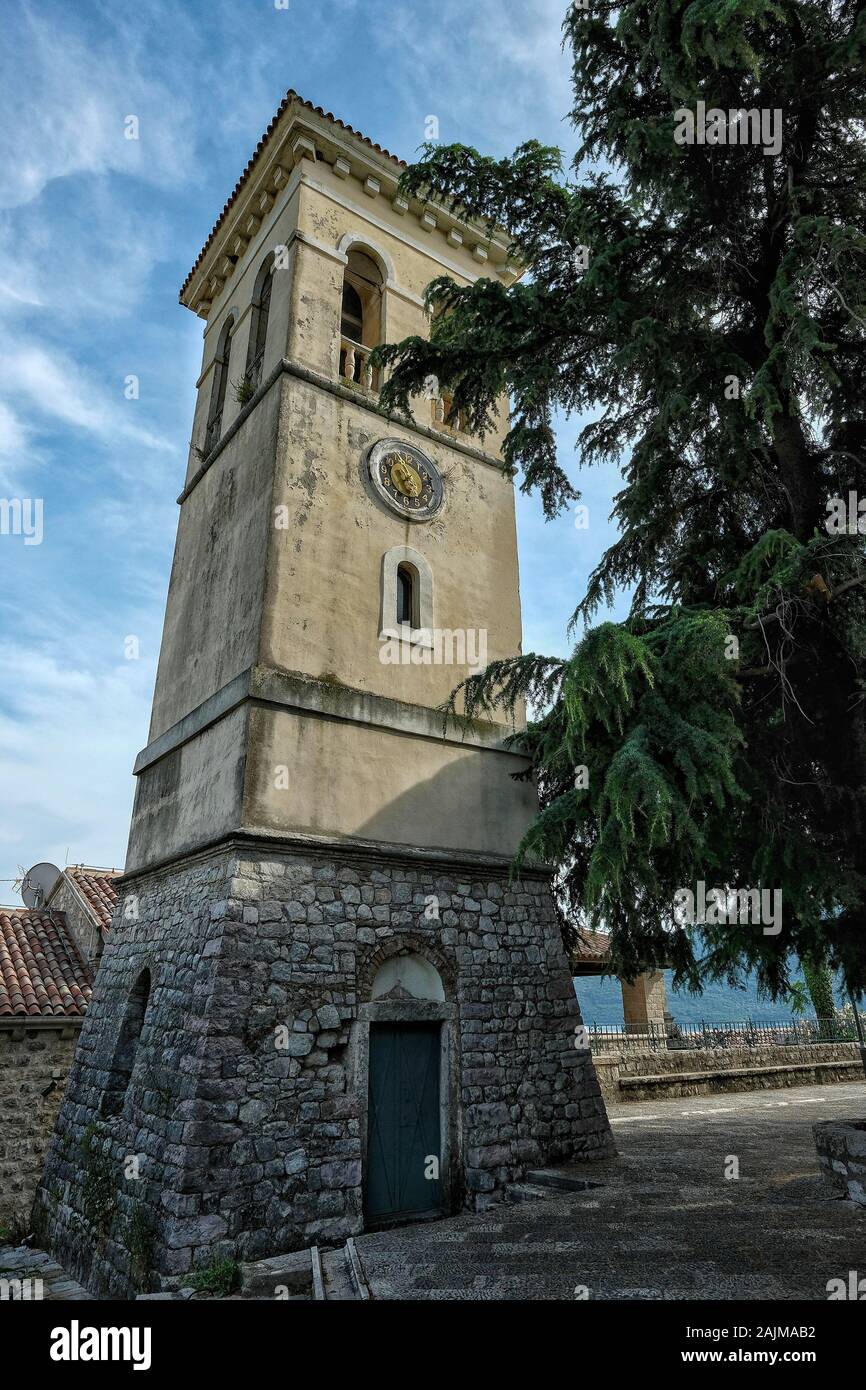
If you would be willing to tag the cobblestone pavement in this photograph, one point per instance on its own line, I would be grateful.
(665, 1223)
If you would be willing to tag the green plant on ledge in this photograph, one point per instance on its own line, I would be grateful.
(219, 1277)
(244, 390)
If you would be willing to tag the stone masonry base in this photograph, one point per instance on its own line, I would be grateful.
(232, 1123)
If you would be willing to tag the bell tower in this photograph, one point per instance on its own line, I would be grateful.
(351, 1016)
(337, 573)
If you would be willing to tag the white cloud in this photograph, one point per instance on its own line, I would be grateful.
(78, 95)
(62, 392)
(92, 255)
(66, 750)
(13, 433)
(515, 87)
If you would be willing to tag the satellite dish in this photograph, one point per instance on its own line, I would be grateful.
(37, 884)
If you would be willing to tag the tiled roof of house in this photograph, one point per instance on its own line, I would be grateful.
(290, 97)
(97, 888)
(42, 972)
(591, 946)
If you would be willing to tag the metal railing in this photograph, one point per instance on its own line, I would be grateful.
(708, 1035)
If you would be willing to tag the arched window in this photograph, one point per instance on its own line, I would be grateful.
(218, 389)
(123, 1061)
(259, 325)
(406, 590)
(406, 598)
(360, 318)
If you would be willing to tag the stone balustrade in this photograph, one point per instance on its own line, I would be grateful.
(355, 365)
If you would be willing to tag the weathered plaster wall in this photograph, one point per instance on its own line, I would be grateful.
(279, 564)
(324, 585)
(214, 609)
(276, 229)
(379, 784)
(85, 931)
(192, 795)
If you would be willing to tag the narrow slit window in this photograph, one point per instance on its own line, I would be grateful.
(405, 595)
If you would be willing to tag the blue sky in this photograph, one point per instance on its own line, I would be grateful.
(97, 233)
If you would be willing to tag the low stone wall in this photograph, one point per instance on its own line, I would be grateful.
(841, 1146)
(35, 1058)
(625, 1076)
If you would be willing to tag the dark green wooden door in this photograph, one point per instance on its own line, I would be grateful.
(403, 1145)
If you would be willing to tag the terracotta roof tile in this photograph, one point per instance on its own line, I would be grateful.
(591, 946)
(291, 96)
(97, 888)
(42, 972)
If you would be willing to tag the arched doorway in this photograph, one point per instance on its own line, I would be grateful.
(407, 1093)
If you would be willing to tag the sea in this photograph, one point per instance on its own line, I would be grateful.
(600, 1001)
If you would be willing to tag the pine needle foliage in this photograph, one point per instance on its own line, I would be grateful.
(715, 345)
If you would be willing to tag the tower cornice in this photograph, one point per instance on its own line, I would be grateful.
(300, 131)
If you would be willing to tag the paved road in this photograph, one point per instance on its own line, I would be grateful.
(665, 1223)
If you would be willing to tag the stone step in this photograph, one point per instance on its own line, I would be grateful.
(267, 1278)
(337, 1281)
(318, 1278)
(20, 1262)
(556, 1178)
(357, 1275)
(524, 1192)
(168, 1295)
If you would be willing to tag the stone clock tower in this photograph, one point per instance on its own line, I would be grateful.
(323, 1004)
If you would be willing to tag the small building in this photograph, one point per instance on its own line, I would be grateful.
(87, 896)
(644, 1001)
(49, 954)
(45, 987)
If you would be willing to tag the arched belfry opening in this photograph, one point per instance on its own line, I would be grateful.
(218, 388)
(360, 317)
(259, 326)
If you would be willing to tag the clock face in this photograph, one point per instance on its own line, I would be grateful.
(406, 480)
